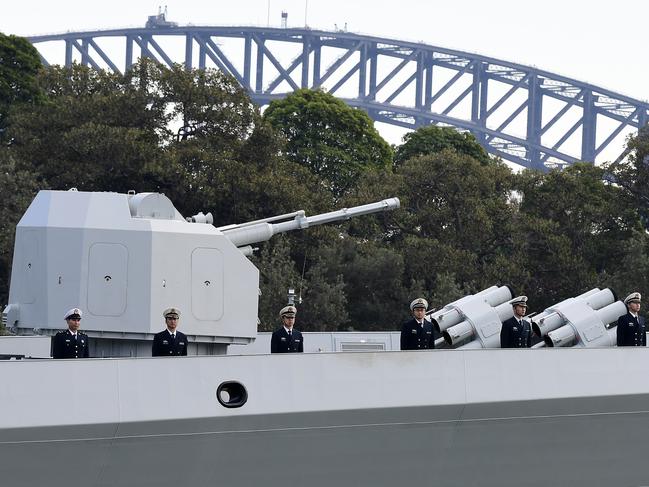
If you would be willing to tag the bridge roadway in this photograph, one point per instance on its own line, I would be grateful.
(523, 114)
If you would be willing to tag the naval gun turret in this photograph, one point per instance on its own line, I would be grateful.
(124, 258)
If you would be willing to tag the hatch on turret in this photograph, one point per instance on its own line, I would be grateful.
(107, 279)
(29, 261)
(207, 284)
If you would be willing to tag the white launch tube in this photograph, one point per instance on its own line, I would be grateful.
(561, 337)
(459, 333)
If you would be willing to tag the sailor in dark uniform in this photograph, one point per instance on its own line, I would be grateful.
(417, 332)
(516, 332)
(286, 339)
(170, 342)
(71, 343)
(631, 330)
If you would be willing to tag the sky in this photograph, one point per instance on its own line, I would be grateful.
(600, 42)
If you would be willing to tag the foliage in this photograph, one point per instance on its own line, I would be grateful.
(452, 232)
(97, 131)
(19, 65)
(336, 142)
(574, 225)
(432, 139)
(277, 274)
(632, 173)
(325, 300)
(19, 187)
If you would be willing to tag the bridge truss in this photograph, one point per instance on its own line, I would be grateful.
(525, 115)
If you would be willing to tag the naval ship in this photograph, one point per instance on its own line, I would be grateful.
(571, 412)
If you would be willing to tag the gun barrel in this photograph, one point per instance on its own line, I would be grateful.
(249, 233)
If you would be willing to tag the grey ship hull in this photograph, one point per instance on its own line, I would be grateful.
(572, 417)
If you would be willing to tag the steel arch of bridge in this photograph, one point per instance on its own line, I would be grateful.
(525, 115)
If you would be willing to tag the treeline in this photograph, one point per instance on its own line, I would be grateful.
(466, 220)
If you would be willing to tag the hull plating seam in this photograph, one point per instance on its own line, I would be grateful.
(331, 427)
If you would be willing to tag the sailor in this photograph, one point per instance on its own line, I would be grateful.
(71, 343)
(170, 342)
(631, 330)
(516, 332)
(286, 339)
(417, 332)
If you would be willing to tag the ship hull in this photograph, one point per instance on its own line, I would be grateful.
(450, 418)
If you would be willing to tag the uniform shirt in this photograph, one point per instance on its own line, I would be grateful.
(66, 345)
(516, 334)
(283, 342)
(417, 336)
(165, 345)
(631, 331)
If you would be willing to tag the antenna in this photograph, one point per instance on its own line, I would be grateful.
(306, 8)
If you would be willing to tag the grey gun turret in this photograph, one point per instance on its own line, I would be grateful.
(124, 258)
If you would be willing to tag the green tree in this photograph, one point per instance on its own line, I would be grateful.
(454, 229)
(632, 173)
(432, 139)
(372, 277)
(19, 66)
(277, 274)
(225, 159)
(632, 272)
(336, 142)
(575, 227)
(325, 301)
(97, 131)
(19, 187)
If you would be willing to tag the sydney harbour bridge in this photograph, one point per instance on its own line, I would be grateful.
(525, 115)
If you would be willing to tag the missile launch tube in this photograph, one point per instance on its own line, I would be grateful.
(600, 299)
(498, 296)
(486, 291)
(444, 319)
(449, 314)
(505, 311)
(610, 314)
(547, 323)
(440, 342)
(458, 333)
(545, 313)
(561, 337)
